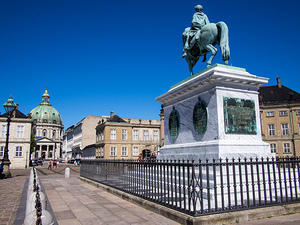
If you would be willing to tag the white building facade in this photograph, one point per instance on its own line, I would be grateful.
(78, 136)
(19, 139)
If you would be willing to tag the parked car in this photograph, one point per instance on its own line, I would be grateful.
(37, 162)
(71, 161)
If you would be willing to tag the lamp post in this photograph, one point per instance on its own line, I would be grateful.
(9, 107)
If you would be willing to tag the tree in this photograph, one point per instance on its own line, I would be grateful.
(32, 145)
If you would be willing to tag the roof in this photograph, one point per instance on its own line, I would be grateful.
(92, 146)
(17, 114)
(277, 95)
(116, 119)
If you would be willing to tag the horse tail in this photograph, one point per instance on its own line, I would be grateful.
(224, 41)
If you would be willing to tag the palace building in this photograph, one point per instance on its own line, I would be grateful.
(47, 129)
(280, 116)
(80, 135)
(19, 139)
(126, 138)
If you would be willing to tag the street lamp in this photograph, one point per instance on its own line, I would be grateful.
(9, 107)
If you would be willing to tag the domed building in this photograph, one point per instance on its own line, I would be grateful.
(47, 129)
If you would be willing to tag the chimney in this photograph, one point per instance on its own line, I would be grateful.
(278, 82)
(111, 114)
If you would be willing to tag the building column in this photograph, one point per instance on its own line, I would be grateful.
(47, 154)
(40, 151)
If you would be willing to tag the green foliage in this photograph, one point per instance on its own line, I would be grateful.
(32, 143)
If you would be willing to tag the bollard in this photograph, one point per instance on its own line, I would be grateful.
(46, 217)
(67, 172)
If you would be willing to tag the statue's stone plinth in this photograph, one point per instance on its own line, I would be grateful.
(214, 114)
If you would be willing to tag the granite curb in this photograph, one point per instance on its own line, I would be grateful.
(48, 205)
(20, 215)
(222, 218)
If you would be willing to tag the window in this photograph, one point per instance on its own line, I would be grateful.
(2, 151)
(135, 135)
(54, 121)
(19, 151)
(271, 128)
(283, 113)
(44, 133)
(285, 129)
(273, 148)
(286, 148)
(146, 135)
(297, 112)
(155, 135)
(124, 134)
(113, 151)
(45, 121)
(135, 151)
(53, 134)
(113, 134)
(270, 114)
(298, 128)
(124, 151)
(20, 131)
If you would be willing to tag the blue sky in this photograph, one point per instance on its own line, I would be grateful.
(99, 56)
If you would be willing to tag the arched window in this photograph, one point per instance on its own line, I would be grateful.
(54, 121)
(44, 133)
(53, 134)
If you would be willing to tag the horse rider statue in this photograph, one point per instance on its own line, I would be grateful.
(199, 20)
(201, 37)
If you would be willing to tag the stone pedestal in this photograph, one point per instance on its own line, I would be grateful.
(214, 114)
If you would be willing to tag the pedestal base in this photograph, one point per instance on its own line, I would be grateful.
(214, 114)
(215, 150)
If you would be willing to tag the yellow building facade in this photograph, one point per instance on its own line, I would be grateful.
(124, 138)
(280, 119)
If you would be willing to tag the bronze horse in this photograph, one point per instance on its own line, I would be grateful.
(211, 34)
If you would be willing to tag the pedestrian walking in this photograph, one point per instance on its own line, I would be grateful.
(54, 164)
(50, 165)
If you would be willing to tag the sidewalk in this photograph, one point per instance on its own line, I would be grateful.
(76, 202)
(10, 195)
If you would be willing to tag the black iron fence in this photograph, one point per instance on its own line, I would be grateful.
(200, 188)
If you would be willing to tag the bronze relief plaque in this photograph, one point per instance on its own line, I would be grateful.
(239, 116)
(174, 123)
(200, 117)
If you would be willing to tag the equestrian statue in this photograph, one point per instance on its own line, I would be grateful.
(201, 38)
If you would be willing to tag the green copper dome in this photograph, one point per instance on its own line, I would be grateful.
(45, 113)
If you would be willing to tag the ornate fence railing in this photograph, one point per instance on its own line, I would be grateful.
(201, 188)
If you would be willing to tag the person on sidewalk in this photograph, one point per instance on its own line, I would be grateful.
(50, 165)
(54, 164)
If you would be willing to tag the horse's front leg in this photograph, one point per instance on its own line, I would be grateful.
(213, 51)
(189, 62)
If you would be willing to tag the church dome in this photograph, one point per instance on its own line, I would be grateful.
(45, 113)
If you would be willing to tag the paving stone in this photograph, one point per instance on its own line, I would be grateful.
(63, 215)
(10, 195)
(69, 222)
